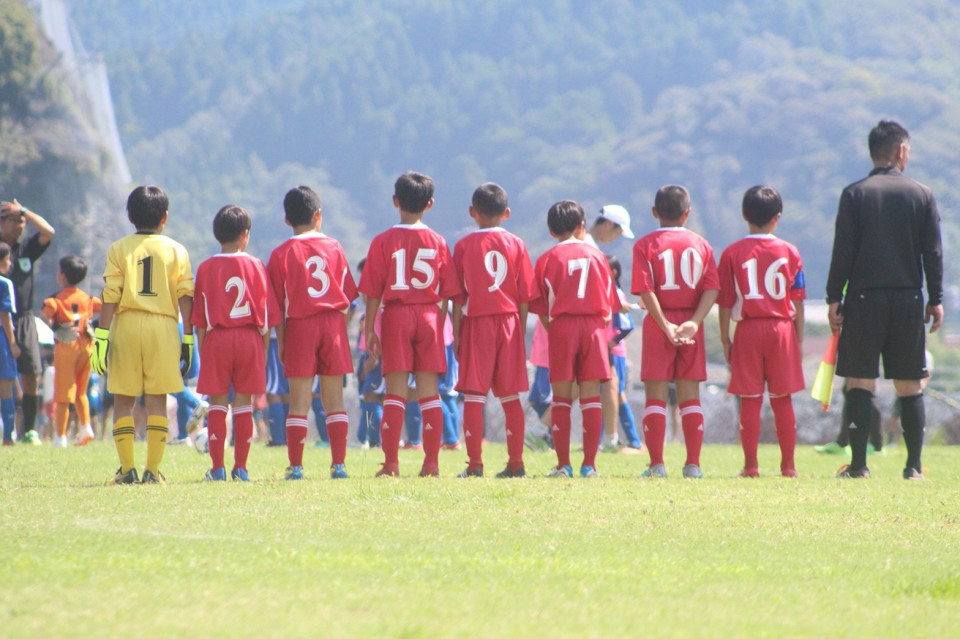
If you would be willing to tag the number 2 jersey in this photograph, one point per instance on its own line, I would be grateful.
(232, 291)
(675, 264)
(505, 279)
(147, 272)
(309, 274)
(761, 276)
(409, 264)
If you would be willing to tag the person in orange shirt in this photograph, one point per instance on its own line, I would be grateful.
(69, 313)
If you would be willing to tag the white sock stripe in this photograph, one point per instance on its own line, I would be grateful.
(474, 399)
(691, 410)
(240, 410)
(655, 410)
(296, 423)
(590, 405)
(561, 404)
(217, 409)
(340, 417)
(511, 398)
(393, 402)
(434, 403)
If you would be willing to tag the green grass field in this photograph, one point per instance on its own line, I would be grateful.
(612, 557)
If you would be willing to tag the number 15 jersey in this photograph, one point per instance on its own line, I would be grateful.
(232, 291)
(676, 265)
(147, 272)
(309, 274)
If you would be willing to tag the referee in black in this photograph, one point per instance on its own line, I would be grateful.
(887, 241)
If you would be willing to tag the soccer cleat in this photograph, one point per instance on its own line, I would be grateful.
(564, 471)
(476, 471)
(789, 472)
(239, 474)
(60, 441)
(84, 436)
(588, 472)
(321, 444)
(846, 472)
(196, 417)
(129, 477)
(32, 437)
(631, 450)
(388, 470)
(337, 472)
(294, 472)
(692, 471)
(429, 471)
(8, 442)
(215, 474)
(453, 446)
(657, 470)
(912, 473)
(179, 441)
(150, 478)
(832, 448)
(506, 473)
(749, 473)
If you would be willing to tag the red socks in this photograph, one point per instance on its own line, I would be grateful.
(786, 423)
(750, 430)
(432, 412)
(473, 430)
(560, 426)
(391, 428)
(691, 417)
(216, 434)
(337, 427)
(655, 429)
(242, 434)
(592, 413)
(296, 438)
(515, 424)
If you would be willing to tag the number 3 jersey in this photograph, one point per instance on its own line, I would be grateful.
(761, 276)
(147, 272)
(309, 274)
(232, 291)
(409, 264)
(495, 270)
(676, 265)
(574, 279)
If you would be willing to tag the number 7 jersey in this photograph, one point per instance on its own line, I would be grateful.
(232, 291)
(676, 265)
(309, 274)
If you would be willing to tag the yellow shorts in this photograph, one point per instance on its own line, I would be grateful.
(144, 355)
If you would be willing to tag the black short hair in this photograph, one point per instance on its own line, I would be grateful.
(361, 264)
(300, 204)
(74, 269)
(671, 201)
(146, 206)
(413, 191)
(565, 216)
(615, 268)
(761, 204)
(229, 222)
(490, 200)
(885, 139)
(4, 250)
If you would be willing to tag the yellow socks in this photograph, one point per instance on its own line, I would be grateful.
(156, 442)
(123, 435)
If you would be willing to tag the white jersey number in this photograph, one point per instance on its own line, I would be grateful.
(421, 264)
(774, 281)
(496, 265)
(317, 268)
(691, 269)
(241, 307)
(581, 264)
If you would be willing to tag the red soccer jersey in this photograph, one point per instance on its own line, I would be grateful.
(676, 265)
(494, 269)
(760, 276)
(574, 279)
(309, 274)
(231, 290)
(409, 264)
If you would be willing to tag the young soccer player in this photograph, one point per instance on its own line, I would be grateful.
(409, 271)
(70, 312)
(312, 283)
(675, 275)
(761, 288)
(233, 313)
(576, 299)
(147, 283)
(489, 323)
(9, 351)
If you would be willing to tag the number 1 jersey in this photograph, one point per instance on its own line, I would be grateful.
(309, 274)
(232, 291)
(675, 264)
(495, 270)
(147, 272)
(760, 276)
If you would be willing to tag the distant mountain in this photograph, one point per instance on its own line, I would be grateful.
(604, 101)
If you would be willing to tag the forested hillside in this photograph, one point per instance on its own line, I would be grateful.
(599, 101)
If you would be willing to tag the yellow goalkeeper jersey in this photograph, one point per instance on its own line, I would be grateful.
(147, 272)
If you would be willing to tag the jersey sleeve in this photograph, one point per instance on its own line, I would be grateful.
(539, 305)
(798, 290)
(461, 297)
(373, 279)
(728, 293)
(198, 317)
(275, 276)
(641, 279)
(449, 282)
(113, 277)
(711, 279)
(49, 308)
(185, 276)
(526, 286)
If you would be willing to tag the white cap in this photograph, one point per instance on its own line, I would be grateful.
(619, 216)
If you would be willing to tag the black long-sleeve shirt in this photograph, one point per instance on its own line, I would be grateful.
(887, 236)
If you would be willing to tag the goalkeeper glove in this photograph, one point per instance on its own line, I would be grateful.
(186, 354)
(101, 345)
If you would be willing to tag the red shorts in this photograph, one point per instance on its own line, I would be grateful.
(232, 356)
(492, 355)
(578, 349)
(664, 361)
(317, 345)
(765, 350)
(412, 339)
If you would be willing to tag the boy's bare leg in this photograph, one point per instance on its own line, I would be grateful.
(610, 400)
(157, 426)
(691, 418)
(655, 418)
(428, 391)
(338, 426)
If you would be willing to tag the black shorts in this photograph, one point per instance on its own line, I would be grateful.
(884, 323)
(25, 330)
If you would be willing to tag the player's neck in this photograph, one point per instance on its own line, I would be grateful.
(567, 236)
(154, 231)
(761, 230)
(406, 217)
(231, 247)
(300, 229)
(670, 224)
(484, 222)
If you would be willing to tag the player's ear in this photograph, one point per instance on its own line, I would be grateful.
(396, 202)
(429, 205)
(506, 213)
(653, 212)
(683, 218)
